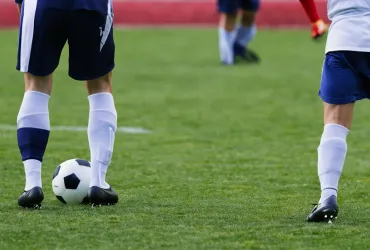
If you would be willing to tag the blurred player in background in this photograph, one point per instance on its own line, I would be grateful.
(234, 36)
(44, 29)
(345, 80)
(318, 25)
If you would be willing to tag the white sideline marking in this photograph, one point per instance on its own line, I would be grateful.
(128, 130)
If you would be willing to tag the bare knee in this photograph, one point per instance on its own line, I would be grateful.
(248, 18)
(338, 114)
(41, 84)
(99, 85)
(228, 21)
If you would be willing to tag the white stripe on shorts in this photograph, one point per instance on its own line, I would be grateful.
(108, 24)
(28, 22)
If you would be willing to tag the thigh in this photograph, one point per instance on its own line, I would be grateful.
(249, 5)
(91, 45)
(228, 6)
(43, 33)
(340, 81)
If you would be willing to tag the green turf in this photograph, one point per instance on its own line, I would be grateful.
(231, 162)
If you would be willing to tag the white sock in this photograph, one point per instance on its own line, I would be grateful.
(331, 155)
(226, 44)
(32, 169)
(33, 113)
(245, 34)
(101, 129)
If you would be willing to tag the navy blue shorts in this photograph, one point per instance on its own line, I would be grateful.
(44, 31)
(345, 77)
(232, 6)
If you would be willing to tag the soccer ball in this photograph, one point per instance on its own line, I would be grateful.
(71, 181)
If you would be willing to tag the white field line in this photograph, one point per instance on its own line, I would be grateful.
(128, 130)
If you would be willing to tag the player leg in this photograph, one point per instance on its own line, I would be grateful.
(92, 51)
(101, 133)
(318, 25)
(339, 91)
(246, 31)
(226, 32)
(38, 55)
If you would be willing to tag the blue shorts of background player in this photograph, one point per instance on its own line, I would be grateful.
(233, 38)
(45, 27)
(345, 77)
(232, 6)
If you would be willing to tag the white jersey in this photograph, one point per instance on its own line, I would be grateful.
(350, 27)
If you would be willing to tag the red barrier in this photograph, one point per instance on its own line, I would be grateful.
(186, 12)
(9, 16)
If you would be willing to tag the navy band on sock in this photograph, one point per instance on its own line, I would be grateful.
(32, 143)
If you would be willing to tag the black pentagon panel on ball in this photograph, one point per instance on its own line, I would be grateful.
(61, 199)
(83, 162)
(71, 181)
(56, 172)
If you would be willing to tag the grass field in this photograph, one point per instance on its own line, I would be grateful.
(230, 162)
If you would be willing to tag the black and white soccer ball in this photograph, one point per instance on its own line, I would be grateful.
(71, 181)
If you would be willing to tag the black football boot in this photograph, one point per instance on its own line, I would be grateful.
(31, 198)
(102, 197)
(326, 211)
